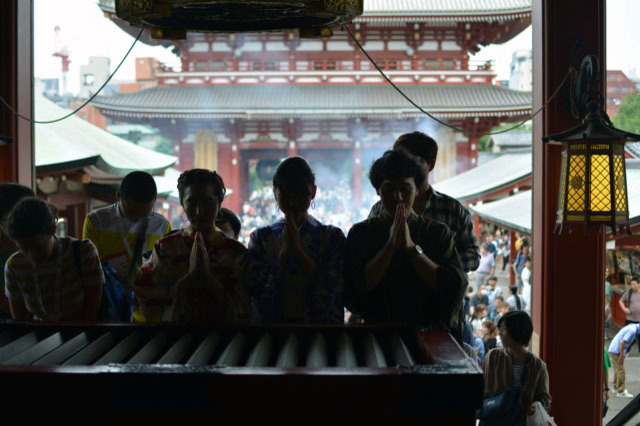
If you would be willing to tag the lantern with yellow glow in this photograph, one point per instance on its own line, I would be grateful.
(593, 183)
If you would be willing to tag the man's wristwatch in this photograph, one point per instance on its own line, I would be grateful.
(414, 251)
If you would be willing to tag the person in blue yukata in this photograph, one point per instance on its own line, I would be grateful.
(296, 273)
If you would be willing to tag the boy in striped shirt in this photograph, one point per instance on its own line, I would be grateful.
(50, 278)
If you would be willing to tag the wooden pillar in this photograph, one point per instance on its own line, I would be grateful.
(476, 226)
(356, 174)
(512, 256)
(16, 158)
(572, 263)
(235, 183)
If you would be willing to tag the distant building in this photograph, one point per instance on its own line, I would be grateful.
(49, 87)
(521, 71)
(618, 87)
(93, 75)
(509, 140)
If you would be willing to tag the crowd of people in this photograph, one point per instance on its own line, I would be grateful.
(332, 205)
(485, 302)
(406, 262)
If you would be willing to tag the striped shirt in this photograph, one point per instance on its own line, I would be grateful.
(103, 227)
(449, 211)
(53, 290)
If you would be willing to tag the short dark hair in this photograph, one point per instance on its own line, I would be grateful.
(492, 278)
(227, 216)
(499, 297)
(294, 174)
(417, 143)
(204, 177)
(513, 289)
(396, 164)
(634, 278)
(10, 194)
(519, 326)
(30, 217)
(139, 186)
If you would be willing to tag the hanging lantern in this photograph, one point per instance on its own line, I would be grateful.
(593, 183)
(172, 19)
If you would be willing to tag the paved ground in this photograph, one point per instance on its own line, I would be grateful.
(632, 364)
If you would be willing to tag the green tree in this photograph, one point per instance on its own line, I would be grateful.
(482, 142)
(628, 116)
(164, 145)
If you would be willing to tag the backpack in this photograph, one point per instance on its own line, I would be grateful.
(116, 303)
(506, 407)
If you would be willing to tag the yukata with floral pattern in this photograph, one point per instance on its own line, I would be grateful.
(157, 285)
(287, 294)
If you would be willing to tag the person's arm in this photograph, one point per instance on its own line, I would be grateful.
(623, 306)
(12, 292)
(427, 269)
(466, 242)
(329, 307)
(376, 268)
(155, 283)
(541, 392)
(19, 311)
(235, 303)
(291, 245)
(92, 280)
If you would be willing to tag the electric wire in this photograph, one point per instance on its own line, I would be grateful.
(570, 74)
(84, 104)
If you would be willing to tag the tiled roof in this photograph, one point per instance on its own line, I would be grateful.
(633, 149)
(488, 177)
(444, 7)
(74, 143)
(241, 101)
(513, 138)
(513, 212)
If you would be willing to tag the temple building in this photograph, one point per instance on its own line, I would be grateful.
(244, 101)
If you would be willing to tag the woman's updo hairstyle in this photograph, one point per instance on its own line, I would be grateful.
(204, 177)
(294, 175)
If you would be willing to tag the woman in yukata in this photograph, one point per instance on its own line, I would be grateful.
(196, 274)
(296, 273)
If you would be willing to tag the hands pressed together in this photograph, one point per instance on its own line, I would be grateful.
(199, 266)
(290, 239)
(399, 235)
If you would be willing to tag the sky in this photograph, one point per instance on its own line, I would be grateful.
(95, 35)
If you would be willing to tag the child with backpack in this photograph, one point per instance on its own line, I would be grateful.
(50, 278)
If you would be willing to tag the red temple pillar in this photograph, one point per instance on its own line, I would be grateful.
(512, 256)
(236, 185)
(572, 263)
(357, 174)
(16, 155)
